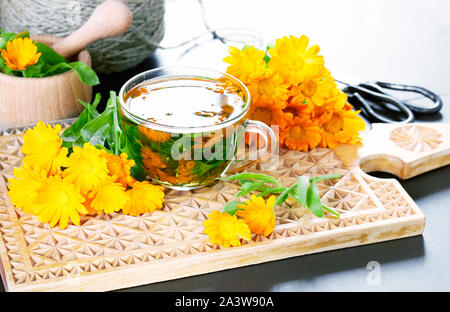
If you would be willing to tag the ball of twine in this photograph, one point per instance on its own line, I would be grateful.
(62, 17)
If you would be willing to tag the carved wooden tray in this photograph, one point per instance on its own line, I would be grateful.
(117, 251)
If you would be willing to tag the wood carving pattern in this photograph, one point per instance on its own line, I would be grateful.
(33, 253)
(416, 138)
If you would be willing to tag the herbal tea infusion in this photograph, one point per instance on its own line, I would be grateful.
(186, 127)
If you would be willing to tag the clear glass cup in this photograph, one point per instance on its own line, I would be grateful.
(192, 156)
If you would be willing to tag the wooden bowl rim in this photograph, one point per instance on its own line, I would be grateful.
(69, 72)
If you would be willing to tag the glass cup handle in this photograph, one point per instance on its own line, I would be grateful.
(266, 155)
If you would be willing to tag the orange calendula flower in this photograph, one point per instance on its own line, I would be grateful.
(301, 134)
(268, 114)
(108, 196)
(86, 167)
(144, 197)
(120, 166)
(259, 217)
(185, 171)
(155, 165)
(294, 61)
(152, 161)
(225, 229)
(57, 201)
(20, 53)
(291, 88)
(162, 176)
(155, 135)
(42, 147)
(343, 127)
(246, 64)
(23, 188)
(87, 204)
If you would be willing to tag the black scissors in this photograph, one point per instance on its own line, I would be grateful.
(359, 93)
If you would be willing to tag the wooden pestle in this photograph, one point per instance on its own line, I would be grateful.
(109, 19)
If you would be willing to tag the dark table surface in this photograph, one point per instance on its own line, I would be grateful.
(405, 41)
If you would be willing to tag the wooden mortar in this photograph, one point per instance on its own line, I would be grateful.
(25, 101)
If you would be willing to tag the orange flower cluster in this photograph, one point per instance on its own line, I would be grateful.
(57, 187)
(291, 88)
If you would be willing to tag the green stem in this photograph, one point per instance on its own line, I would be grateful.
(253, 176)
(283, 196)
(331, 210)
(273, 190)
(325, 177)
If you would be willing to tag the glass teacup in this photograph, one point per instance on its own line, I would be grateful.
(186, 126)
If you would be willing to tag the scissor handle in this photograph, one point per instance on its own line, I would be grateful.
(425, 92)
(359, 92)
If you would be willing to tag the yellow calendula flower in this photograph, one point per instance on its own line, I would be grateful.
(20, 53)
(23, 188)
(144, 197)
(246, 64)
(120, 166)
(108, 196)
(313, 91)
(42, 147)
(259, 217)
(225, 229)
(269, 89)
(343, 127)
(57, 201)
(294, 61)
(337, 100)
(86, 167)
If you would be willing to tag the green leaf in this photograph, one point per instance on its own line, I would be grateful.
(231, 207)
(313, 200)
(95, 131)
(284, 195)
(33, 71)
(302, 188)
(249, 187)
(5, 37)
(132, 148)
(5, 69)
(98, 129)
(86, 74)
(89, 113)
(116, 140)
(49, 56)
